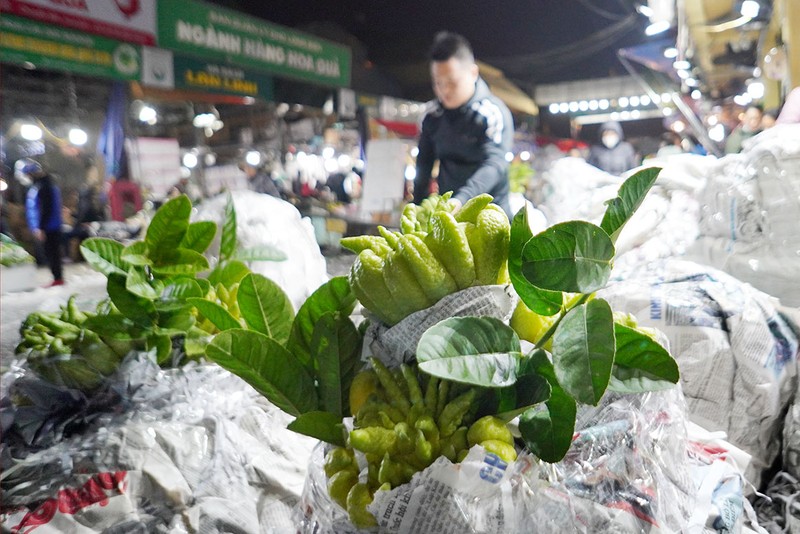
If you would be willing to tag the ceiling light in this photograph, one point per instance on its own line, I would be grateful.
(750, 8)
(593, 104)
(204, 120)
(644, 100)
(415, 152)
(148, 114)
(696, 94)
(671, 52)
(583, 105)
(614, 115)
(667, 112)
(717, 133)
(625, 115)
(77, 137)
(30, 132)
(524, 155)
(623, 101)
(756, 90)
(254, 157)
(645, 10)
(509, 157)
(657, 27)
(691, 82)
(635, 114)
(563, 107)
(712, 120)
(683, 74)
(344, 160)
(190, 160)
(634, 101)
(656, 99)
(573, 106)
(666, 97)
(681, 64)
(678, 126)
(553, 108)
(328, 152)
(603, 104)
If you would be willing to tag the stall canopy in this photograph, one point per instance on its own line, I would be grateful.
(514, 97)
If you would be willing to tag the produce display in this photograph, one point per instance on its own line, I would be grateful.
(437, 252)
(157, 300)
(11, 253)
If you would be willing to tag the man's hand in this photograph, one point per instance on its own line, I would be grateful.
(38, 234)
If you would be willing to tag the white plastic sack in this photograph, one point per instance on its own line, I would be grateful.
(266, 220)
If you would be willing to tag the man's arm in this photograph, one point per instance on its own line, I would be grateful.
(425, 160)
(498, 130)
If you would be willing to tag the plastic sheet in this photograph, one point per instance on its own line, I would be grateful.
(182, 450)
(736, 351)
(628, 470)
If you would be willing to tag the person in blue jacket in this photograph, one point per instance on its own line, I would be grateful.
(466, 128)
(43, 212)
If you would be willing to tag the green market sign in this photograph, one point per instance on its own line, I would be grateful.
(199, 75)
(198, 28)
(24, 41)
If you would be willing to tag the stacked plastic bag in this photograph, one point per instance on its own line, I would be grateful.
(748, 223)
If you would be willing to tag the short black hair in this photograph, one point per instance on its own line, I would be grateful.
(447, 45)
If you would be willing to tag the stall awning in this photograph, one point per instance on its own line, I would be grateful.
(514, 97)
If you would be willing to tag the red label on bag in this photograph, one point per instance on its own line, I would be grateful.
(69, 501)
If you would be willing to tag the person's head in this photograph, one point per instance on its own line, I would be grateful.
(769, 118)
(611, 134)
(751, 119)
(670, 138)
(453, 69)
(28, 171)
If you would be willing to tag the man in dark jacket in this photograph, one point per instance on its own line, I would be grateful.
(43, 211)
(614, 155)
(467, 128)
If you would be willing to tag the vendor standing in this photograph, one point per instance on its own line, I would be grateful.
(467, 128)
(43, 212)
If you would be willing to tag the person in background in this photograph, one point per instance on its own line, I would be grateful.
(87, 211)
(259, 181)
(670, 144)
(43, 213)
(466, 128)
(749, 127)
(614, 155)
(769, 118)
(124, 197)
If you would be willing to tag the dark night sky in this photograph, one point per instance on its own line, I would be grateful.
(510, 34)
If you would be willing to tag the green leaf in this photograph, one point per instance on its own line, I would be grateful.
(265, 307)
(260, 253)
(199, 236)
(476, 350)
(323, 426)
(268, 367)
(178, 320)
(629, 197)
(583, 351)
(138, 284)
(136, 254)
(336, 347)
(204, 285)
(548, 431)
(104, 255)
(641, 363)
(530, 389)
(180, 261)
(574, 256)
(333, 296)
(162, 346)
(168, 227)
(228, 273)
(109, 324)
(219, 316)
(227, 247)
(139, 310)
(180, 289)
(539, 300)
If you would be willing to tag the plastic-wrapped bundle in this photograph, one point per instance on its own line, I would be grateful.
(628, 469)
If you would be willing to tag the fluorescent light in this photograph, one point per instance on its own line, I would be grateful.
(77, 137)
(671, 52)
(190, 160)
(30, 132)
(756, 90)
(750, 8)
(657, 27)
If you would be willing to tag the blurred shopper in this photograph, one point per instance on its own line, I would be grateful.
(749, 127)
(466, 128)
(769, 119)
(260, 182)
(670, 144)
(86, 212)
(790, 112)
(613, 155)
(43, 212)
(124, 197)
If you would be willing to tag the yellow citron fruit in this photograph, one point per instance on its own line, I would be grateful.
(531, 326)
(489, 427)
(364, 384)
(500, 448)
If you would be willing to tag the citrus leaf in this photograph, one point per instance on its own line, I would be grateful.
(323, 426)
(104, 255)
(199, 236)
(227, 247)
(260, 253)
(168, 227)
(336, 348)
(265, 307)
(641, 363)
(219, 316)
(268, 367)
(630, 196)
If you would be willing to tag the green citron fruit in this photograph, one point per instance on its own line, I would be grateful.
(339, 486)
(489, 427)
(531, 326)
(502, 449)
(364, 384)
